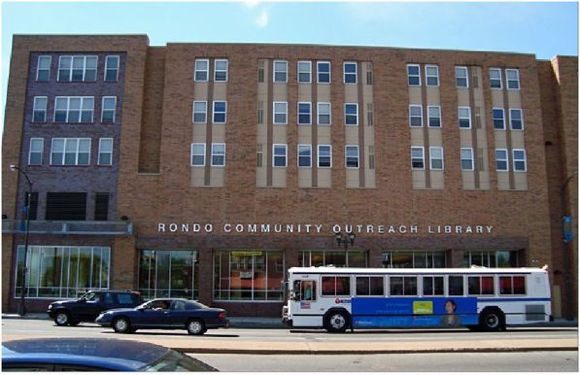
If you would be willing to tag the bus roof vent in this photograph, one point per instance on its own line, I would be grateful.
(545, 268)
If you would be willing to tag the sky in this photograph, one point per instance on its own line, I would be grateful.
(545, 29)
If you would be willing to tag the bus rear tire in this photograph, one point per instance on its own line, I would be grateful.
(492, 319)
(336, 321)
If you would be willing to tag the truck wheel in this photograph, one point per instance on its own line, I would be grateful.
(336, 321)
(62, 318)
(492, 320)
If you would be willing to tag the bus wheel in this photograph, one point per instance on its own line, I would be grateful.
(336, 321)
(492, 320)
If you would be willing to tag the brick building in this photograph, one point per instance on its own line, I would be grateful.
(207, 170)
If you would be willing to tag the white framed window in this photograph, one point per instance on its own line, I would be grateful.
(112, 64)
(324, 156)
(414, 74)
(501, 160)
(304, 156)
(351, 114)
(43, 68)
(415, 115)
(77, 68)
(70, 151)
(304, 113)
(464, 116)
(220, 70)
(280, 71)
(495, 78)
(519, 160)
(434, 113)
(461, 77)
(198, 154)
(436, 162)
(432, 75)
(279, 155)
(512, 77)
(351, 156)
(105, 151)
(218, 154)
(498, 118)
(199, 112)
(109, 109)
(220, 112)
(323, 72)
(466, 159)
(304, 71)
(280, 113)
(417, 157)
(73, 109)
(201, 70)
(324, 114)
(39, 108)
(36, 151)
(349, 72)
(516, 119)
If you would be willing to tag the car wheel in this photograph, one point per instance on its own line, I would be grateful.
(196, 327)
(122, 325)
(62, 318)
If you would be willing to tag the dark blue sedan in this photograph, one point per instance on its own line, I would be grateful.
(165, 313)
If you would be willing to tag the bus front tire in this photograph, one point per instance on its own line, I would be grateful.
(492, 319)
(336, 321)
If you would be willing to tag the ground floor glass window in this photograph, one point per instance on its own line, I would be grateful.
(491, 258)
(317, 258)
(414, 259)
(168, 273)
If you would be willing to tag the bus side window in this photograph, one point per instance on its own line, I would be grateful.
(455, 285)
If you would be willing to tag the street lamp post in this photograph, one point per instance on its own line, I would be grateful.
(345, 239)
(22, 305)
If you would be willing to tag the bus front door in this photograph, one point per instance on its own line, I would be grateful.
(306, 310)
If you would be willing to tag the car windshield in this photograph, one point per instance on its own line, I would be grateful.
(175, 361)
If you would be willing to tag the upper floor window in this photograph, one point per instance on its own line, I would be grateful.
(105, 151)
(516, 119)
(43, 68)
(323, 71)
(280, 155)
(112, 68)
(323, 114)
(70, 151)
(434, 112)
(305, 156)
(280, 71)
(39, 109)
(414, 75)
(220, 112)
(304, 113)
(304, 71)
(415, 115)
(280, 113)
(199, 112)
(73, 109)
(417, 157)
(432, 75)
(198, 154)
(501, 160)
(218, 154)
(461, 77)
(498, 119)
(351, 114)
(351, 156)
(109, 109)
(495, 78)
(464, 115)
(436, 158)
(519, 160)
(324, 156)
(466, 159)
(350, 72)
(36, 151)
(221, 70)
(77, 68)
(512, 77)
(201, 70)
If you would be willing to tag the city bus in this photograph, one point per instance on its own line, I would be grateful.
(478, 298)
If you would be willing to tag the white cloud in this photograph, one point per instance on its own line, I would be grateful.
(263, 19)
(251, 3)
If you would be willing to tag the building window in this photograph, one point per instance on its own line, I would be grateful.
(304, 113)
(351, 114)
(218, 154)
(414, 259)
(261, 70)
(417, 157)
(493, 259)
(351, 155)
(105, 151)
(62, 271)
(198, 154)
(323, 71)
(370, 114)
(260, 112)
(371, 157)
(102, 206)
(501, 160)
(324, 156)
(200, 112)
(466, 159)
(350, 72)
(318, 258)
(201, 70)
(70, 151)
(220, 112)
(415, 115)
(304, 71)
(109, 109)
(512, 77)
(164, 274)
(495, 78)
(77, 68)
(324, 114)
(280, 113)
(464, 115)
(259, 155)
(516, 119)
(280, 155)
(220, 70)
(369, 73)
(519, 160)
(434, 112)
(305, 156)
(73, 109)
(432, 75)
(498, 119)
(436, 158)
(461, 77)
(414, 75)
(36, 151)
(43, 68)
(403, 285)
(112, 68)
(248, 275)
(39, 109)
(280, 71)
(66, 206)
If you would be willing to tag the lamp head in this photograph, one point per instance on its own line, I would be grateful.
(338, 237)
(13, 167)
(351, 237)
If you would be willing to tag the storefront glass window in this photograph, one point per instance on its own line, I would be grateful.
(312, 258)
(491, 259)
(165, 273)
(414, 259)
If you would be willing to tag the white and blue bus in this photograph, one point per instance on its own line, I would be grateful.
(338, 299)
